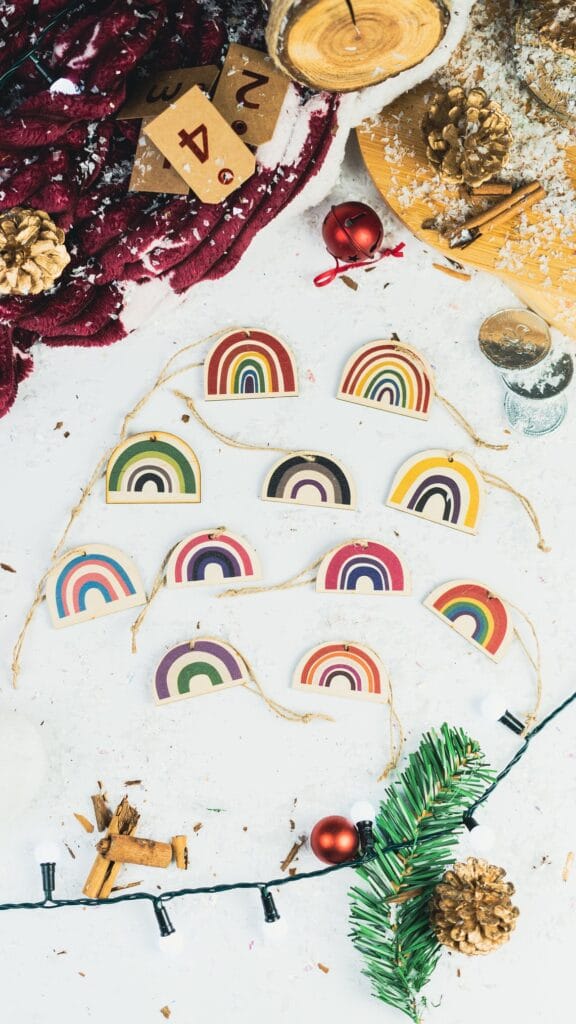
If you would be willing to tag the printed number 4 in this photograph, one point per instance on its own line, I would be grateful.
(196, 141)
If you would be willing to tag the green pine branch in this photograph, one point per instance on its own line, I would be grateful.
(390, 925)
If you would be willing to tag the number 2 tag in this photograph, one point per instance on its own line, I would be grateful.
(202, 147)
(250, 93)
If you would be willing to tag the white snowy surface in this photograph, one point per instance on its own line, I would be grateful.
(91, 700)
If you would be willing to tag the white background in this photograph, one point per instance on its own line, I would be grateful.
(91, 700)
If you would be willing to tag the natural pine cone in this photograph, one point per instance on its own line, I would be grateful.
(467, 136)
(32, 253)
(471, 910)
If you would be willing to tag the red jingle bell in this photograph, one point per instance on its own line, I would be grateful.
(334, 839)
(352, 231)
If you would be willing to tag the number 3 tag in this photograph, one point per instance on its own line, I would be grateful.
(250, 93)
(202, 147)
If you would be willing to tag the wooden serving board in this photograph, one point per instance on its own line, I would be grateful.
(393, 150)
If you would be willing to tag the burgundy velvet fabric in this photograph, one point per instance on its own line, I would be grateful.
(69, 155)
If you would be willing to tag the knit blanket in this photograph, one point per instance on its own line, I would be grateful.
(69, 154)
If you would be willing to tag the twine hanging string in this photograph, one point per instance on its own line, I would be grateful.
(159, 582)
(225, 438)
(396, 736)
(503, 485)
(292, 581)
(463, 422)
(254, 687)
(327, 276)
(167, 373)
(536, 663)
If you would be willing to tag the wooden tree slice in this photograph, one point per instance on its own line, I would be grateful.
(343, 45)
(394, 152)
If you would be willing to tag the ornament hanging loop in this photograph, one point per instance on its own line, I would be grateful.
(327, 276)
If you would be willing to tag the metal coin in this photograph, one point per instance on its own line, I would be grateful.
(514, 339)
(550, 381)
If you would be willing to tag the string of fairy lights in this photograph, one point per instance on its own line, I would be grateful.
(31, 53)
(366, 844)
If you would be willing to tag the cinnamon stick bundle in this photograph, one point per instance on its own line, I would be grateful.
(512, 206)
(104, 872)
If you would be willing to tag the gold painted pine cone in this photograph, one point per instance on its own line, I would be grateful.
(467, 136)
(32, 252)
(471, 910)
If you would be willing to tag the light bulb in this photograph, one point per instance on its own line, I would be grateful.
(273, 932)
(362, 810)
(47, 853)
(171, 945)
(481, 839)
(492, 707)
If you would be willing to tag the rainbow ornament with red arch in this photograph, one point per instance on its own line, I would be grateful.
(389, 375)
(475, 612)
(211, 557)
(362, 567)
(196, 667)
(91, 581)
(343, 670)
(250, 363)
(310, 478)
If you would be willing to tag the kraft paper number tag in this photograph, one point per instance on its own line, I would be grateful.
(202, 147)
(250, 93)
(152, 172)
(153, 94)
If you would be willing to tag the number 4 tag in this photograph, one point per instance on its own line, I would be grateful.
(202, 147)
(250, 93)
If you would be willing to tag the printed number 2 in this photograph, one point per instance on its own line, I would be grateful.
(258, 82)
(196, 141)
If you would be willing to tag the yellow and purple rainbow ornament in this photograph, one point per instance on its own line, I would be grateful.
(476, 613)
(389, 375)
(250, 363)
(211, 557)
(440, 486)
(343, 670)
(191, 669)
(91, 581)
(152, 468)
(362, 567)
(310, 478)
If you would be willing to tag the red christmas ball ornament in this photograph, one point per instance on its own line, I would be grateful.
(334, 839)
(352, 231)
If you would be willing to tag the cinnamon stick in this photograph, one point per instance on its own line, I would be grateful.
(103, 873)
(515, 204)
(180, 851)
(127, 849)
(492, 188)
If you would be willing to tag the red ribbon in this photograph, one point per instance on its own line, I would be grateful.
(327, 276)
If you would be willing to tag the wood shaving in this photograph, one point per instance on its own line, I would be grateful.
(133, 782)
(460, 274)
(198, 826)
(293, 852)
(185, 418)
(568, 866)
(323, 968)
(86, 825)
(6, 567)
(71, 852)
(349, 282)
(59, 425)
(165, 1011)
(127, 885)
(102, 811)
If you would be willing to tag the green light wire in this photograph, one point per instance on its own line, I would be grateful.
(169, 895)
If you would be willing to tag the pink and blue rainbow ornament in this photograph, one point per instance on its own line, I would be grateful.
(92, 581)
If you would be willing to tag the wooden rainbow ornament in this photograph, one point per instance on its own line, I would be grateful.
(476, 613)
(362, 567)
(389, 375)
(310, 478)
(197, 667)
(151, 468)
(211, 557)
(91, 581)
(395, 377)
(249, 363)
(343, 670)
(442, 487)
